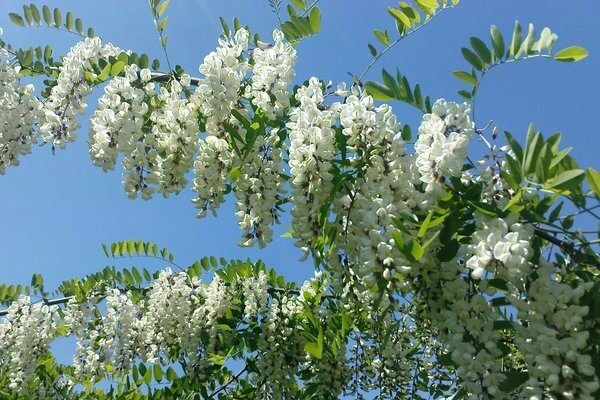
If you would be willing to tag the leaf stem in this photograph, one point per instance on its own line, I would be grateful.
(395, 42)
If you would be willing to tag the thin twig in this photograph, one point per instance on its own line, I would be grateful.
(229, 382)
(395, 42)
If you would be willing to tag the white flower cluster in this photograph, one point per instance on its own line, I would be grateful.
(441, 148)
(84, 324)
(122, 327)
(500, 240)
(382, 191)
(158, 146)
(465, 321)
(58, 119)
(281, 348)
(166, 320)
(256, 296)
(118, 120)
(212, 167)
(217, 299)
(219, 91)
(25, 336)
(19, 108)
(273, 71)
(554, 339)
(258, 189)
(311, 151)
(175, 129)
(216, 95)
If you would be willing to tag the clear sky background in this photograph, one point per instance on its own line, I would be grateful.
(55, 211)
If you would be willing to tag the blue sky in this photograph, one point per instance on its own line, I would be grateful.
(55, 211)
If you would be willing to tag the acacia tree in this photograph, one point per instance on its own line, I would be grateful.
(436, 276)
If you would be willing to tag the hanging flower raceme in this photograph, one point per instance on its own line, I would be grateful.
(441, 149)
(25, 336)
(19, 108)
(58, 119)
(554, 339)
(258, 189)
(383, 189)
(216, 95)
(311, 151)
(503, 241)
(272, 74)
(157, 143)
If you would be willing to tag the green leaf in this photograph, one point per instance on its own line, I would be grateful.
(472, 59)
(515, 44)
(79, 26)
(593, 179)
(47, 15)
(116, 68)
(383, 37)
(571, 54)
(16, 19)
(300, 4)
(400, 17)
(235, 173)
(466, 77)
(481, 49)
(378, 91)
(57, 18)
(416, 250)
(315, 349)
(431, 4)
(497, 42)
(163, 7)
(568, 180)
(514, 379)
(315, 19)
(372, 50)
(70, 21)
(28, 15)
(158, 372)
(35, 13)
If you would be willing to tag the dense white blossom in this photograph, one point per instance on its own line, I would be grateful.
(272, 74)
(501, 240)
(58, 119)
(311, 151)
(25, 336)
(168, 309)
(157, 145)
(223, 69)
(553, 339)
(441, 148)
(18, 113)
(258, 189)
(256, 296)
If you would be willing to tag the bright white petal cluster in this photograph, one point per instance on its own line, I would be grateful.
(383, 190)
(58, 119)
(311, 151)
(166, 321)
(554, 339)
(19, 108)
(273, 71)
(258, 189)
(122, 328)
(219, 90)
(211, 167)
(441, 148)
(281, 350)
(501, 240)
(158, 146)
(175, 129)
(25, 336)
